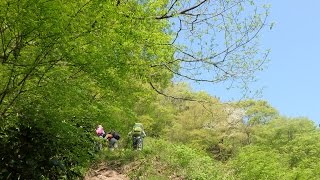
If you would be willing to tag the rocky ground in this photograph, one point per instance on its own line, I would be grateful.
(103, 172)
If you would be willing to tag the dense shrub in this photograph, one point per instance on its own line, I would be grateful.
(162, 160)
(32, 151)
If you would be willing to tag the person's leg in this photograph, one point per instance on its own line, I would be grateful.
(140, 143)
(113, 143)
(134, 142)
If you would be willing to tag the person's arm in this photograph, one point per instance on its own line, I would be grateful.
(108, 136)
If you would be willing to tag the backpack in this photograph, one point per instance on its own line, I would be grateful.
(137, 130)
(116, 135)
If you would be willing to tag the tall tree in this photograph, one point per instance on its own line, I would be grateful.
(86, 37)
(215, 41)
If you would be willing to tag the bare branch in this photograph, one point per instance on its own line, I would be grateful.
(172, 5)
(166, 16)
(173, 97)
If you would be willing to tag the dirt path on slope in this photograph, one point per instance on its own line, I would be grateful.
(103, 172)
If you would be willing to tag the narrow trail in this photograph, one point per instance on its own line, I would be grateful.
(103, 172)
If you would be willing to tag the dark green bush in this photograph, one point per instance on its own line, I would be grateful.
(31, 150)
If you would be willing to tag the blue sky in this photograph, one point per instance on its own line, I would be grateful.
(291, 81)
(292, 78)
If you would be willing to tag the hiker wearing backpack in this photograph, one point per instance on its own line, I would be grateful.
(137, 135)
(101, 137)
(112, 137)
(100, 132)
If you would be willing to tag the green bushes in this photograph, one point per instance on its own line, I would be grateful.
(286, 151)
(30, 150)
(255, 162)
(162, 160)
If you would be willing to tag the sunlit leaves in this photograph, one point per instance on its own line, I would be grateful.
(254, 162)
(67, 66)
(257, 112)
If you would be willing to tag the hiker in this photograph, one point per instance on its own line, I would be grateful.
(100, 131)
(112, 137)
(137, 135)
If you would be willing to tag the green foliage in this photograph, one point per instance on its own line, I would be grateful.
(254, 162)
(67, 66)
(163, 160)
(155, 114)
(257, 112)
(284, 149)
(79, 40)
(34, 150)
(303, 153)
(282, 131)
(295, 140)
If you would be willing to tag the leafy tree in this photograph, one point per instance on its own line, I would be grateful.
(215, 41)
(257, 112)
(282, 131)
(292, 141)
(303, 154)
(65, 66)
(200, 122)
(156, 113)
(254, 162)
(253, 113)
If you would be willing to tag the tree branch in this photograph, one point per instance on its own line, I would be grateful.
(166, 16)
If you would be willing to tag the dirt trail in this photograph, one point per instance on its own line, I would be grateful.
(102, 172)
